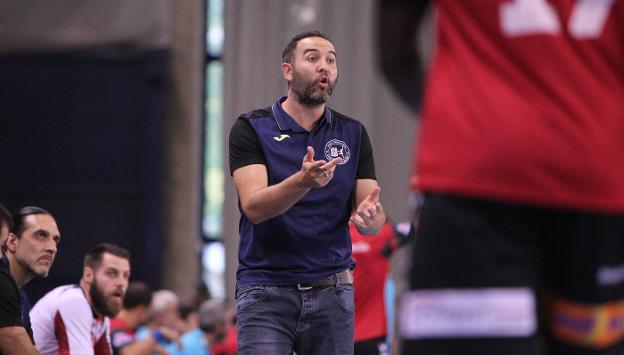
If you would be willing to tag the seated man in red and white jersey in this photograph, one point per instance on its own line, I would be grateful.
(372, 258)
(74, 319)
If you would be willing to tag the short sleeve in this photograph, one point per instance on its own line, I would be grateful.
(10, 315)
(366, 164)
(244, 146)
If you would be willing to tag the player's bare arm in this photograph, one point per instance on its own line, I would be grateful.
(15, 340)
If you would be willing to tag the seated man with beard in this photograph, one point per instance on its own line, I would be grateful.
(74, 319)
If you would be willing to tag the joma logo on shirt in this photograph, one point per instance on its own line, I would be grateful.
(281, 137)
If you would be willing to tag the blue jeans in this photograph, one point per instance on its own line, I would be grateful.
(277, 320)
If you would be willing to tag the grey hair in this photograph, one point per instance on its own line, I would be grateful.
(211, 313)
(161, 299)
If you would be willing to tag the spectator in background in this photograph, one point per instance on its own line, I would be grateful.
(521, 159)
(372, 258)
(212, 329)
(134, 312)
(163, 313)
(74, 319)
(30, 249)
(229, 345)
(189, 320)
(192, 339)
(15, 337)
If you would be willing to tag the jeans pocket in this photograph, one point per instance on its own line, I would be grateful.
(249, 296)
(343, 294)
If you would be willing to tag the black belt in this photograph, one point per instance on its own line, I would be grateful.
(342, 278)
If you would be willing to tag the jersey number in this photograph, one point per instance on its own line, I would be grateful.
(527, 17)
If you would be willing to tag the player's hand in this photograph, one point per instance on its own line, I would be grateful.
(365, 217)
(317, 173)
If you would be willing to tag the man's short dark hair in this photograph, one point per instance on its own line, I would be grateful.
(93, 258)
(5, 218)
(287, 54)
(19, 218)
(138, 294)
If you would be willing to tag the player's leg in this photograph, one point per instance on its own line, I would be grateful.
(325, 325)
(475, 267)
(266, 319)
(374, 346)
(586, 276)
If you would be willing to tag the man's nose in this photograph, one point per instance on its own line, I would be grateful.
(51, 246)
(322, 66)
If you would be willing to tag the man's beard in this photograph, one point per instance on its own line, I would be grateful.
(98, 299)
(307, 92)
(31, 270)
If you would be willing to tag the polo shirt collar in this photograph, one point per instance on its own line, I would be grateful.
(287, 123)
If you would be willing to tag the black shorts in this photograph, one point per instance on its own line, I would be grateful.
(375, 346)
(473, 257)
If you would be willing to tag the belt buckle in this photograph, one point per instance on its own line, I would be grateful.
(300, 287)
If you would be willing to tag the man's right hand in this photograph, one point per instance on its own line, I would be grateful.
(316, 173)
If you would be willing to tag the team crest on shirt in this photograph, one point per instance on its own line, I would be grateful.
(336, 148)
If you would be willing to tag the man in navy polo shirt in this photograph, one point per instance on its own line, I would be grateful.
(300, 169)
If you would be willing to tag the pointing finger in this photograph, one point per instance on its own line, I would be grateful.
(332, 163)
(374, 195)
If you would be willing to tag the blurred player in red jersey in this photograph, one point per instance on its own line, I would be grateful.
(521, 158)
(372, 258)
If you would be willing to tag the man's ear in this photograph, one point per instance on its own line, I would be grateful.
(87, 274)
(287, 71)
(11, 242)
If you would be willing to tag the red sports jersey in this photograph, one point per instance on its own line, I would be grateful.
(229, 345)
(369, 277)
(525, 103)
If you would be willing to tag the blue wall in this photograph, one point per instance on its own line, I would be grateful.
(81, 134)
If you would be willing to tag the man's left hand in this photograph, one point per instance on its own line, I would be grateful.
(368, 212)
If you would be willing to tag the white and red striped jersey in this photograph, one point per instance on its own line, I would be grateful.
(64, 323)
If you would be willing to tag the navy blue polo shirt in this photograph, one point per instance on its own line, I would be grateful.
(311, 239)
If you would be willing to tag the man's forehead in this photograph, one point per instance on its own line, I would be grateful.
(315, 43)
(43, 221)
(114, 261)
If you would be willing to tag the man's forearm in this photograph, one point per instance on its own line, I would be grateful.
(15, 340)
(271, 201)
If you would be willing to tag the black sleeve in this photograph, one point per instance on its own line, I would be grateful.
(244, 146)
(10, 315)
(399, 58)
(366, 164)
